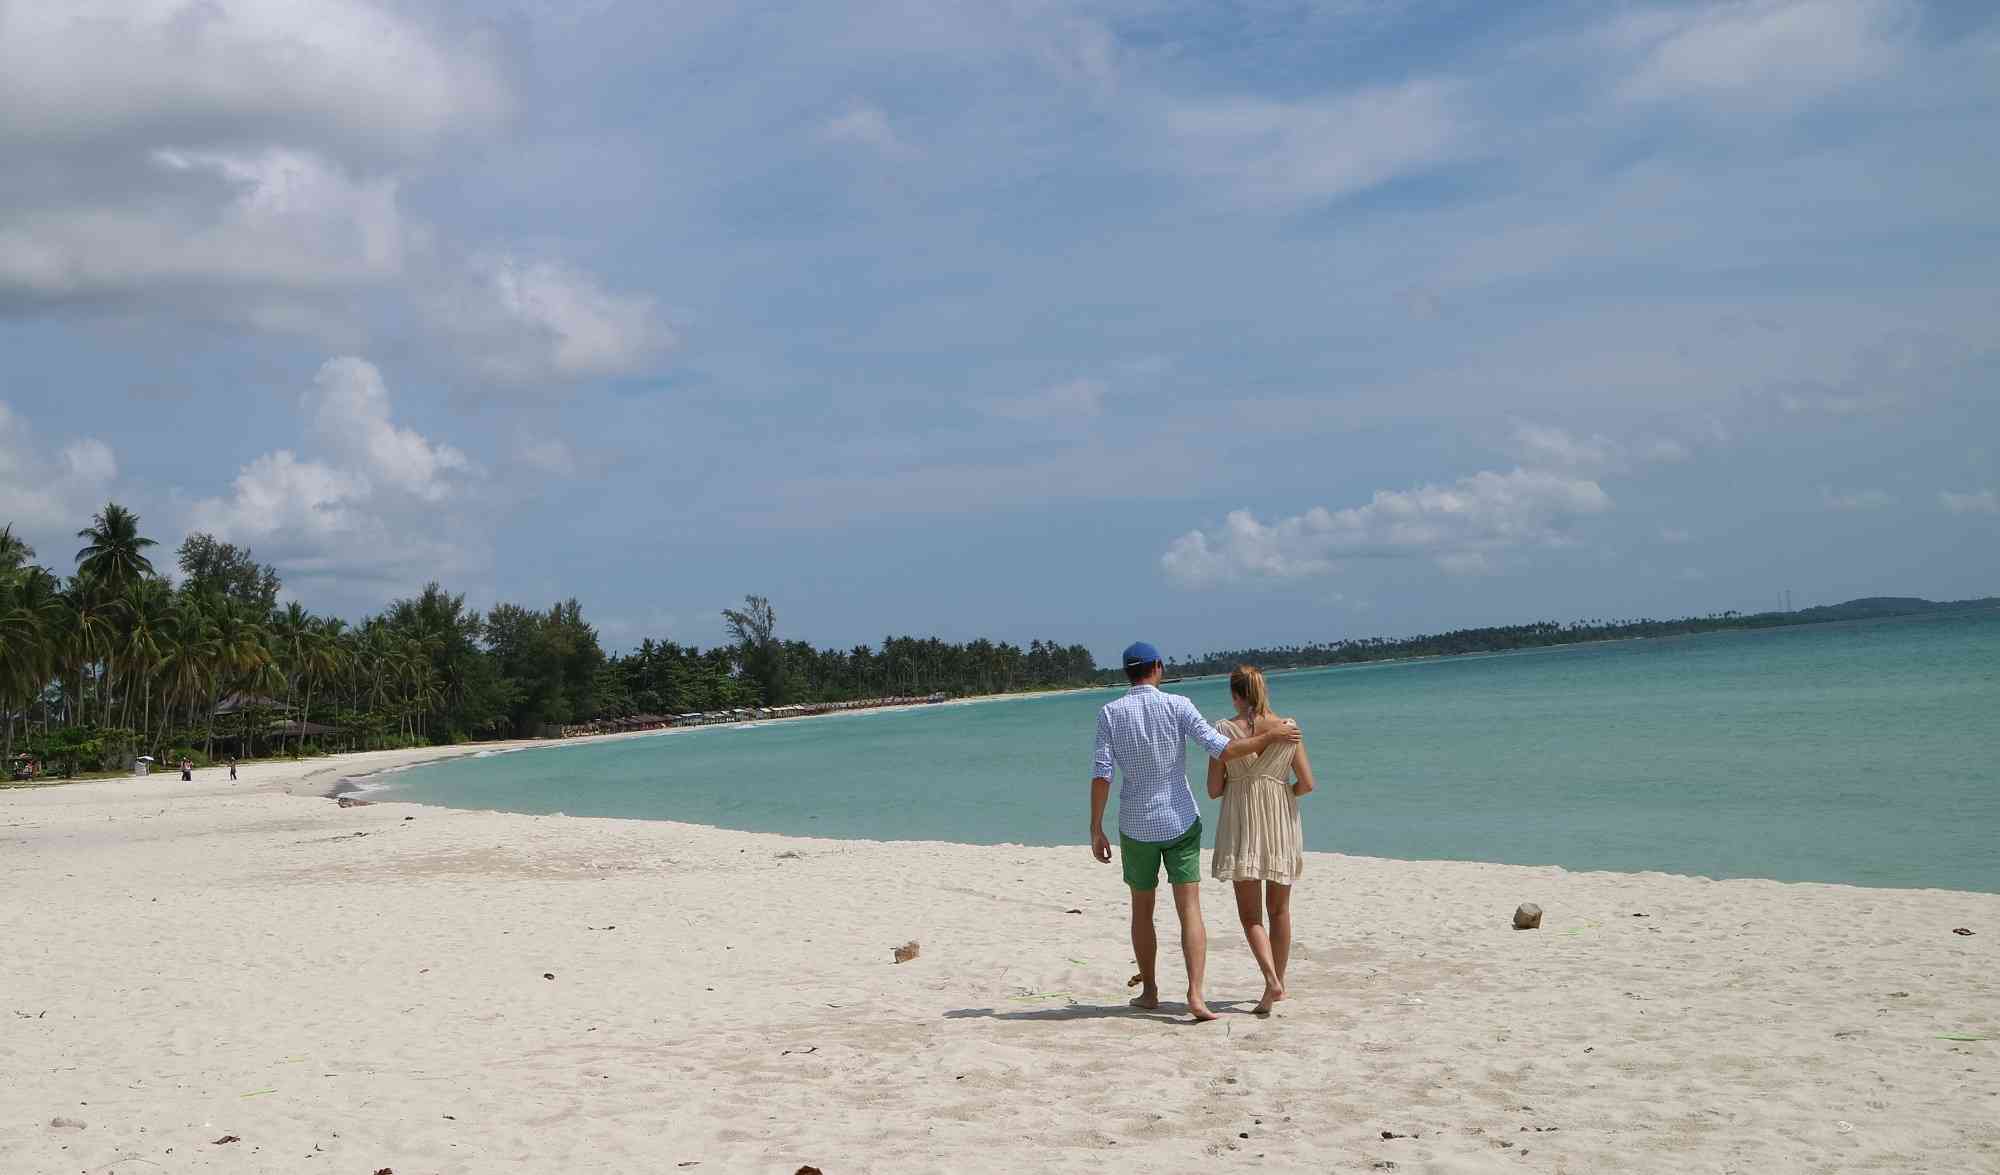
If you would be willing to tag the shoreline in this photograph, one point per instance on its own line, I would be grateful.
(426, 755)
(353, 786)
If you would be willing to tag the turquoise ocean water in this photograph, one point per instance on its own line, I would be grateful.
(1863, 752)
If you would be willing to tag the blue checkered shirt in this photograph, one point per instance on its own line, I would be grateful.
(1144, 735)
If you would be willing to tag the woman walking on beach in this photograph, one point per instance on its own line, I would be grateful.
(1259, 842)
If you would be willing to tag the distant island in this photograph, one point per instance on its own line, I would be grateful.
(1544, 634)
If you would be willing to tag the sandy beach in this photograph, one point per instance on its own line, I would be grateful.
(214, 977)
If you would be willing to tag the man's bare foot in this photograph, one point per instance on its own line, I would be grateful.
(1273, 992)
(1198, 1009)
(1148, 998)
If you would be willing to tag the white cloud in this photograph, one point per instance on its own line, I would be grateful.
(522, 322)
(89, 460)
(348, 69)
(867, 126)
(285, 193)
(1461, 526)
(350, 407)
(1855, 499)
(276, 218)
(1285, 153)
(376, 505)
(47, 492)
(1974, 502)
(238, 161)
(306, 502)
(1760, 53)
(1077, 399)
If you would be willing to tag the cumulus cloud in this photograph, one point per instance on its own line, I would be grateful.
(45, 489)
(350, 407)
(1461, 527)
(278, 494)
(372, 504)
(1076, 399)
(864, 125)
(351, 70)
(1973, 502)
(1271, 153)
(244, 160)
(523, 321)
(270, 219)
(1760, 53)
(1855, 499)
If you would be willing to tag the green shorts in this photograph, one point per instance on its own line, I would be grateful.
(1142, 858)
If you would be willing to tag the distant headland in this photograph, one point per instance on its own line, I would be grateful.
(1505, 638)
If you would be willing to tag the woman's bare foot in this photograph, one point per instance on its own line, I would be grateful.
(1198, 1009)
(1273, 992)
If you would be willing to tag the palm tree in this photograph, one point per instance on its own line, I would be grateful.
(14, 554)
(87, 635)
(149, 614)
(290, 630)
(31, 613)
(116, 554)
(322, 654)
(188, 657)
(240, 651)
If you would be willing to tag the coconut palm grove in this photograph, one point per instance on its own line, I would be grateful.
(135, 653)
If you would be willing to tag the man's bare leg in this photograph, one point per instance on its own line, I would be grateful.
(1279, 899)
(1145, 948)
(1250, 913)
(1194, 945)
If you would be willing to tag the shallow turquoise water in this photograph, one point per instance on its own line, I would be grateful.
(1864, 752)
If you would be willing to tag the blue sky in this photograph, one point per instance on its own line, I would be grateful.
(1217, 324)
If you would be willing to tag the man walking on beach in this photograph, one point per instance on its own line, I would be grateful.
(1143, 735)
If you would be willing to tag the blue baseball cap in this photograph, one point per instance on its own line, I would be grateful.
(1141, 653)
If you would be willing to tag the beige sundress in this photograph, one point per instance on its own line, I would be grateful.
(1258, 837)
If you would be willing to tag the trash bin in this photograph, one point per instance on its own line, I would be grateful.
(142, 764)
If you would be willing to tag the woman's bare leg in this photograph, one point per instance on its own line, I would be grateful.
(1250, 912)
(1279, 898)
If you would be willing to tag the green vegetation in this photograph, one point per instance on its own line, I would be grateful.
(1541, 635)
(113, 661)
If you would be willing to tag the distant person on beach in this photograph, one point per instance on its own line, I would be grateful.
(1143, 736)
(232, 768)
(1259, 842)
(187, 770)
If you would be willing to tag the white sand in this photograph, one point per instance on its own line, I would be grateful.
(188, 961)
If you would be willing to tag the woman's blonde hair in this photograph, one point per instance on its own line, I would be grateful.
(1248, 683)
